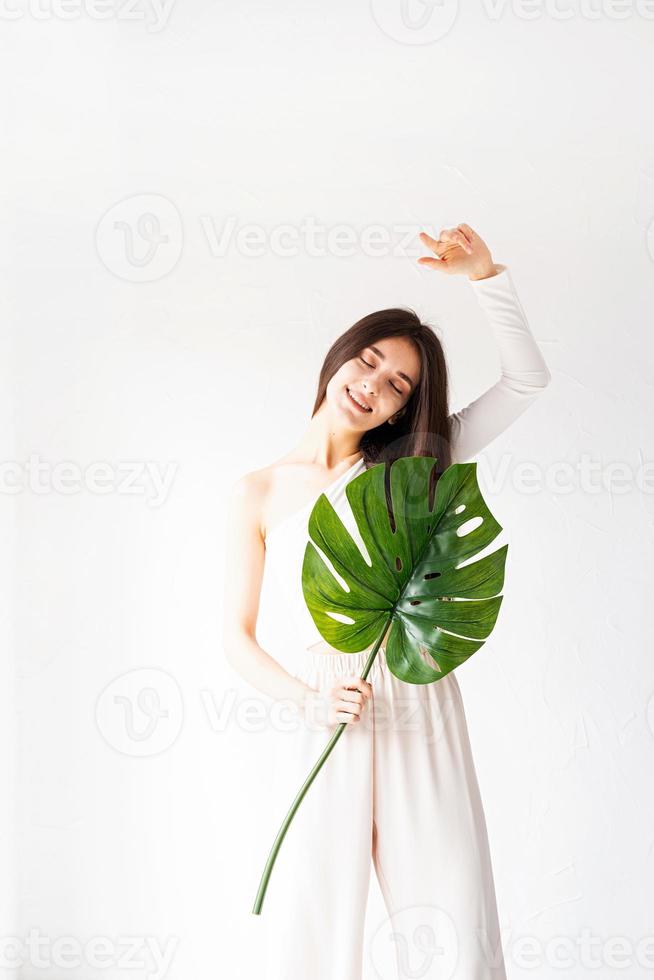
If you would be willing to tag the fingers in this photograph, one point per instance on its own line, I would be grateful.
(349, 696)
(446, 246)
(456, 237)
(430, 242)
(358, 683)
(468, 232)
(434, 263)
(344, 712)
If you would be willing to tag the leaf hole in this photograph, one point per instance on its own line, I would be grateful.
(459, 509)
(470, 525)
(432, 575)
(340, 618)
(398, 564)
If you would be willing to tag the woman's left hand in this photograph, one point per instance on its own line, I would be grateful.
(460, 250)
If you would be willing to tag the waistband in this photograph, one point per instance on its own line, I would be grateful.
(341, 662)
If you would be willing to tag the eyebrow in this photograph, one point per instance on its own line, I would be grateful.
(382, 357)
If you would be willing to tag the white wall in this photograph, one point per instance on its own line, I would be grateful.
(140, 817)
(9, 914)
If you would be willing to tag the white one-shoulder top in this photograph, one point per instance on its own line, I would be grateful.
(524, 374)
(286, 544)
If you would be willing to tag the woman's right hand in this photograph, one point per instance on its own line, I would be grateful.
(339, 700)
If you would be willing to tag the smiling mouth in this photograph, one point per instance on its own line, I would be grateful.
(361, 408)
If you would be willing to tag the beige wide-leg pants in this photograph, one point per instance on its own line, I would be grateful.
(400, 787)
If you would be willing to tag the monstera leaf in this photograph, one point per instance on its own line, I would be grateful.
(412, 585)
(416, 543)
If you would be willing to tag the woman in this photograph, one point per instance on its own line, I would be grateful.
(401, 785)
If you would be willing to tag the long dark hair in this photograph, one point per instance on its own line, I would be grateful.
(424, 428)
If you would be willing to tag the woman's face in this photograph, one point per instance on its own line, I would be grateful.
(382, 377)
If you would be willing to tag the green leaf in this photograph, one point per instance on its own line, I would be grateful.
(440, 610)
(413, 583)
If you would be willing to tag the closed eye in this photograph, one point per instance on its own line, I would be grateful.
(390, 382)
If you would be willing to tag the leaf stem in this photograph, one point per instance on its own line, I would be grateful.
(263, 885)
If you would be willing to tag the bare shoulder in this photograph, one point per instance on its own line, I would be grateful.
(268, 494)
(247, 496)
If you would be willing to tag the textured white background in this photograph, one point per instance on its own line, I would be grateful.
(137, 805)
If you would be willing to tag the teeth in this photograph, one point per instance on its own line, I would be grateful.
(365, 407)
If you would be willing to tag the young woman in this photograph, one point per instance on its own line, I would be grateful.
(401, 786)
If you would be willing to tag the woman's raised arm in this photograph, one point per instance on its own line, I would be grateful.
(524, 373)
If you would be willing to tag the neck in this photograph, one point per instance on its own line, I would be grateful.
(328, 443)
